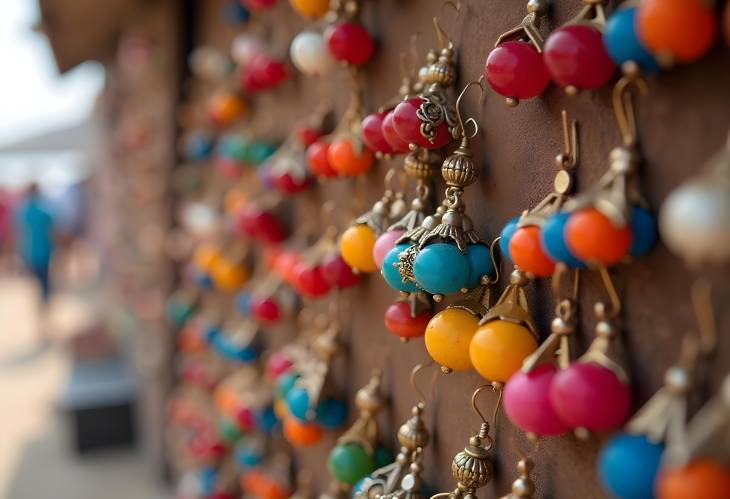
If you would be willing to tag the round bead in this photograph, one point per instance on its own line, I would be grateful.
(228, 276)
(441, 268)
(259, 4)
(527, 253)
(338, 273)
(397, 144)
(527, 402)
(286, 183)
(643, 231)
(480, 264)
(384, 244)
(408, 125)
(592, 237)
(286, 265)
(318, 160)
(302, 434)
(350, 42)
(627, 466)
(392, 275)
(197, 146)
(622, 41)
(349, 462)
(266, 419)
(244, 48)
(311, 8)
(448, 336)
(284, 384)
(552, 238)
(307, 135)
(331, 413)
(590, 396)
(372, 133)
(224, 108)
(248, 456)
(346, 160)
(277, 364)
(310, 54)
(251, 220)
(310, 280)
(356, 247)
(508, 231)
(499, 348)
(265, 309)
(700, 478)
(516, 69)
(677, 30)
(575, 57)
(400, 322)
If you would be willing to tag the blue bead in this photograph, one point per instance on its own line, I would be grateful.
(643, 231)
(627, 466)
(246, 353)
(552, 237)
(392, 275)
(208, 477)
(284, 384)
(201, 279)
(331, 413)
(357, 488)
(212, 334)
(198, 146)
(266, 419)
(234, 12)
(297, 400)
(506, 236)
(622, 42)
(480, 263)
(243, 303)
(441, 268)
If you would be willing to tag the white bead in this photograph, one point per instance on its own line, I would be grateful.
(695, 221)
(310, 54)
(244, 48)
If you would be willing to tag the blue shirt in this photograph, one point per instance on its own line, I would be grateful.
(34, 226)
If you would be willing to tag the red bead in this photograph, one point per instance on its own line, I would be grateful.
(516, 69)
(307, 135)
(277, 364)
(286, 263)
(228, 167)
(310, 280)
(350, 43)
(263, 72)
(288, 184)
(245, 419)
(400, 322)
(318, 160)
(575, 56)
(408, 125)
(338, 273)
(391, 136)
(251, 220)
(258, 4)
(372, 133)
(265, 309)
(527, 402)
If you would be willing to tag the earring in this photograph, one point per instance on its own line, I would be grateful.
(515, 67)
(523, 487)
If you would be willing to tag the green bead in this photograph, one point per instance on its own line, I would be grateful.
(348, 463)
(228, 430)
(258, 152)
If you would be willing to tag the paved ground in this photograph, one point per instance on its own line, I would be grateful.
(35, 459)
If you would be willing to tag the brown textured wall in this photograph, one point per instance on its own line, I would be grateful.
(682, 121)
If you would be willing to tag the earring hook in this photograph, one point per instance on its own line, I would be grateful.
(600, 307)
(704, 311)
(560, 270)
(440, 33)
(414, 383)
(496, 388)
(492, 250)
(462, 123)
(623, 105)
(570, 141)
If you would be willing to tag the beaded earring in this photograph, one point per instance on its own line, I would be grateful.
(622, 40)
(523, 487)
(347, 39)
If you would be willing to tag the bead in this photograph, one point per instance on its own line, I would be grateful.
(286, 183)
(527, 402)
(480, 264)
(499, 347)
(356, 247)
(248, 456)
(392, 275)
(224, 108)
(297, 402)
(310, 55)
(197, 146)
(384, 244)
(228, 276)
(575, 57)
(678, 31)
(395, 141)
(244, 48)
(227, 167)
(408, 125)
(590, 396)
(251, 220)
(307, 135)
(622, 41)
(338, 273)
(448, 336)
(516, 69)
(262, 73)
(331, 413)
(258, 152)
(508, 231)
(259, 4)
(350, 42)
(349, 462)
(441, 268)
(700, 478)
(643, 231)
(695, 222)
(277, 364)
(627, 466)
(347, 160)
(552, 238)
(266, 419)
(527, 253)
(318, 160)
(265, 310)
(285, 265)
(310, 280)
(301, 434)
(311, 8)
(592, 237)
(372, 133)
(284, 384)
(400, 322)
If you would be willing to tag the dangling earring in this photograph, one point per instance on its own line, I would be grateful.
(523, 487)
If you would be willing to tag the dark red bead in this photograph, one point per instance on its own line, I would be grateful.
(258, 4)
(400, 322)
(372, 133)
(575, 56)
(391, 136)
(318, 160)
(265, 309)
(338, 273)
(245, 419)
(252, 221)
(310, 280)
(516, 69)
(288, 184)
(350, 43)
(307, 135)
(408, 126)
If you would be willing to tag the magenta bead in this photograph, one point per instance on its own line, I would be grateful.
(372, 133)
(527, 402)
(408, 126)
(391, 136)
(590, 396)
(516, 69)
(384, 244)
(350, 42)
(575, 56)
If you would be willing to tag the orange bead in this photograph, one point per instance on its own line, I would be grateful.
(526, 251)
(233, 201)
(347, 160)
(190, 340)
(206, 256)
(224, 108)
(593, 238)
(225, 399)
(356, 248)
(701, 478)
(311, 8)
(301, 434)
(677, 30)
(498, 349)
(228, 276)
(256, 483)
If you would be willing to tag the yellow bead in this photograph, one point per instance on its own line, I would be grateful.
(448, 336)
(499, 347)
(227, 276)
(280, 409)
(311, 8)
(206, 256)
(356, 248)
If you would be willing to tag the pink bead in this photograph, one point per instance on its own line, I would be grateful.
(408, 125)
(575, 56)
(350, 42)
(527, 402)
(391, 136)
(590, 396)
(277, 364)
(372, 133)
(384, 244)
(516, 69)
(228, 167)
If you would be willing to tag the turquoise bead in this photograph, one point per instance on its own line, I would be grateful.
(552, 237)
(234, 148)
(248, 455)
(331, 413)
(297, 400)
(392, 275)
(441, 268)
(627, 466)
(480, 263)
(508, 231)
(643, 231)
(258, 152)
(284, 384)
(622, 42)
